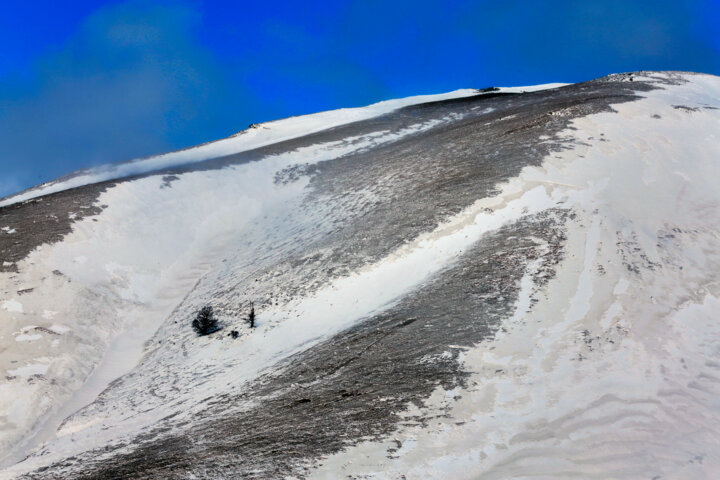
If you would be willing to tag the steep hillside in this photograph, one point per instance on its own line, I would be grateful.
(483, 284)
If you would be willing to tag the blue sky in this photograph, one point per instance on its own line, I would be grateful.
(86, 83)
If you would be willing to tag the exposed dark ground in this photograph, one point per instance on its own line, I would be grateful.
(353, 385)
(44, 220)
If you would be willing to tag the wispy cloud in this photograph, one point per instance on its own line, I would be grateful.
(133, 81)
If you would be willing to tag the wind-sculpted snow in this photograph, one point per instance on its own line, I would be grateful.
(256, 136)
(490, 286)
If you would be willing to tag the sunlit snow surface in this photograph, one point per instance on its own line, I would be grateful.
(608, 368)
(258, 135)
(613, 373)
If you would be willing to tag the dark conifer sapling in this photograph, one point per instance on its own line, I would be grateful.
(205, 322)
(251, 317)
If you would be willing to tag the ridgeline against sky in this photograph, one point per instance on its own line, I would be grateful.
(85, 83)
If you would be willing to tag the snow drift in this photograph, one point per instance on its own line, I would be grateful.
(510, 284)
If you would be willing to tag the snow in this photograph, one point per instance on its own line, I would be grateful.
(29, 370)
(635, 397)
(12, 306)
(564, 403)
(59, 329)
(134, 286)
(252, 138)
(350, 299)
(533, 88)
(265, 134)
(332, 309)
(24, 337)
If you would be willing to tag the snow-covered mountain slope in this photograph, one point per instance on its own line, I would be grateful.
(256, 136)
(476, 285)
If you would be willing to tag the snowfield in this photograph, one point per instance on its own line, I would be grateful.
(514, 284)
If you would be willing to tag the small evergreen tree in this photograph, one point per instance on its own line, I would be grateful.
(251, 317)
(205, 322)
